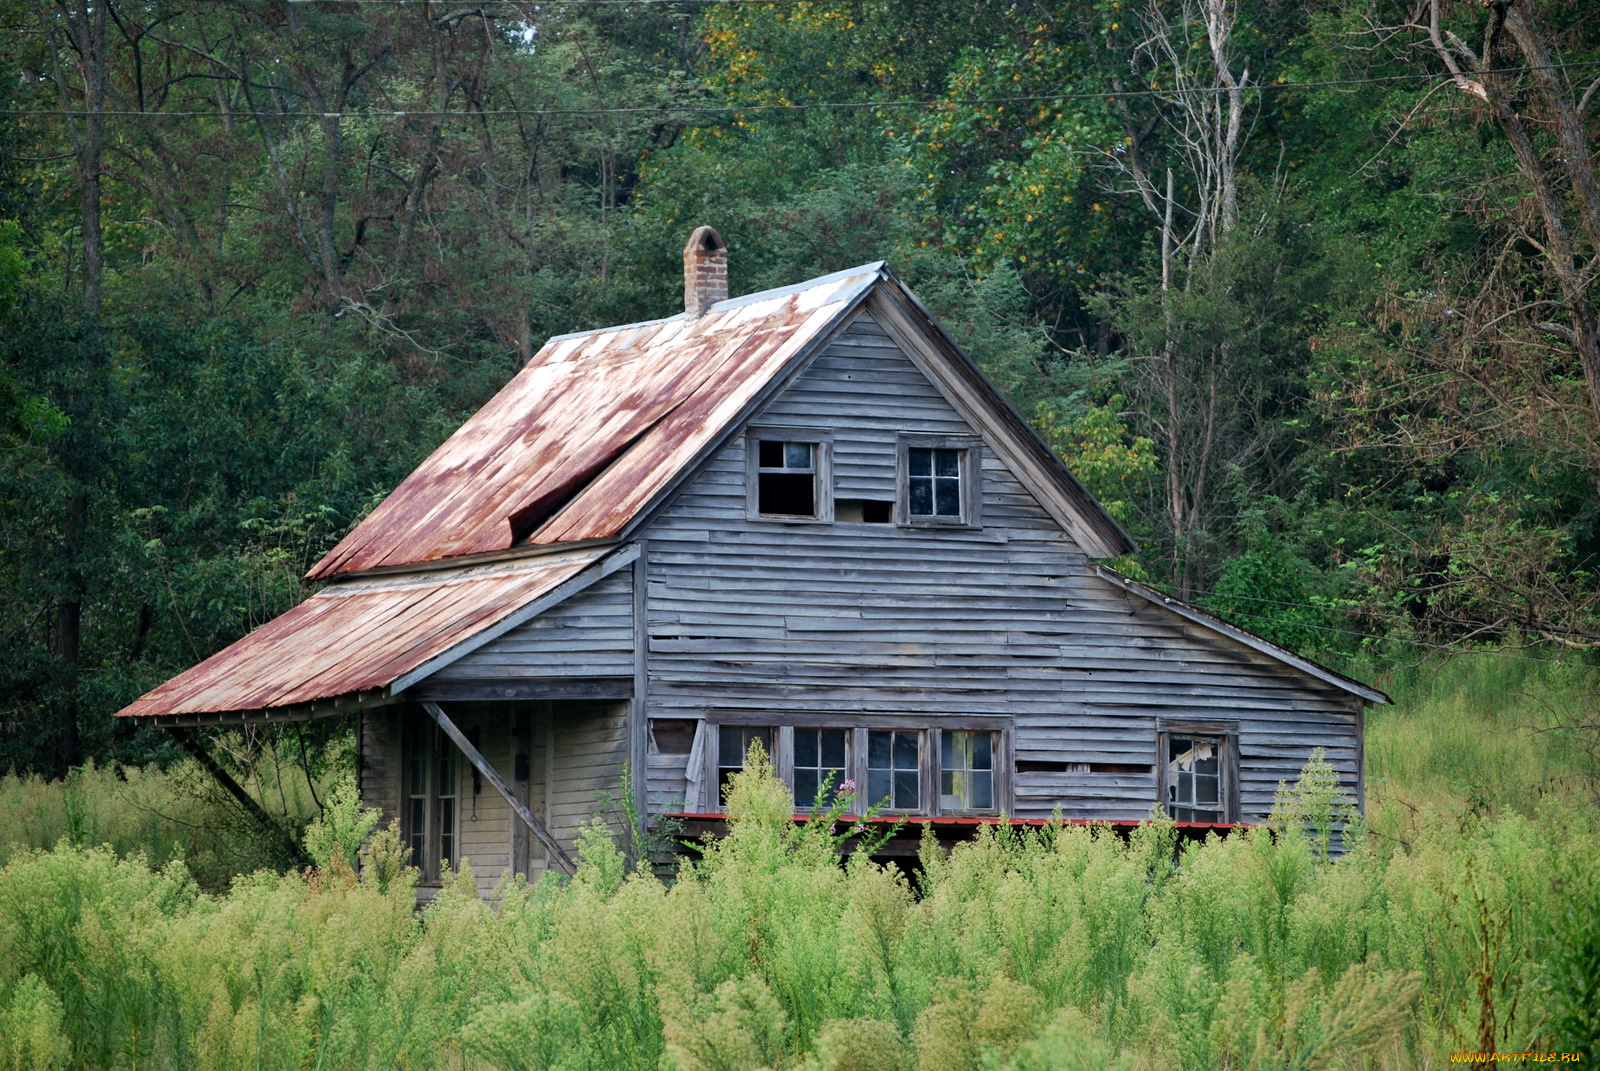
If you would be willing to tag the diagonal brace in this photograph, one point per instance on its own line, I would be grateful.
(186, 738)
(561, 858)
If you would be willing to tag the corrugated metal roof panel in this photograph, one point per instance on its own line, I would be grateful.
(592, 429)
(357, 636)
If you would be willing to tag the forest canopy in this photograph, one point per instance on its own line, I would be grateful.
(1303, 292)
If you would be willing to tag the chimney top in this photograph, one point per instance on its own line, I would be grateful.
(705, 271)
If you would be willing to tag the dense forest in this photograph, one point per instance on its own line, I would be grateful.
(1304, 292)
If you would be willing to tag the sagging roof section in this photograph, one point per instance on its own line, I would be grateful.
(1190, 612)
(361, 635)
(593, 428)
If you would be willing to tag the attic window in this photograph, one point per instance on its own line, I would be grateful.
(938, 481)
(789, 476)
(787, 484)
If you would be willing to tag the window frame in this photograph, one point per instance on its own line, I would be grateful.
(1226, 735)
(783, 724)
(821, 440)
(438, 750)
(1000, 766)
(971, 474)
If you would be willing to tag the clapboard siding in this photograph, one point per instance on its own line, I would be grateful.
(378, 768)
(588, 635)
(590, 747)
(1008, 620)
(485, 823)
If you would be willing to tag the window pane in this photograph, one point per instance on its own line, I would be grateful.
(905, 751)
(878, 745)
(947, 751)
(947, 787)
(797, 455)
(981, 744)
(921, 462)
(878, 787)
(921, 497)
(786, 494)
(1205, 758)
(905, 790)
(832, 748)
(982, 790)
(447, 829)
(1205, 789)
(947, 502)
(771, 454)
(730, 746)
(805, 748)
(447, 773)
(805, 787)
(1185, 787)
(947, 462)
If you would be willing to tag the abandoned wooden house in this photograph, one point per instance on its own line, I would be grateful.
(801, 516)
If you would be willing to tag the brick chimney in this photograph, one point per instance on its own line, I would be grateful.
(705, 271)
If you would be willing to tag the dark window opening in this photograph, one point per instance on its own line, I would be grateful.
(933, 483)
(894, 765)
(1037, 766)
(862, 511)
(819, 764)
(673, 736)
(430, 812)
(786, 479)
(1119, 767)
(1194, 779)
(733, 745)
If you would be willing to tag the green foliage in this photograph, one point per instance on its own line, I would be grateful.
(1065, 947)
(335, 838)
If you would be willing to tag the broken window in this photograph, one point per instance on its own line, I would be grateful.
(894, 769)
(1194, 778)
(819, 762)
(863, 511)
(430, 810)
(933, 483)
(733, 745)
(673, 736)
(786, 479)
(966, 771)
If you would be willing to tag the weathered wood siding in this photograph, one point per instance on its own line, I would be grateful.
(590, 745)
(1006, 620)
(378, 761)
(588, 635)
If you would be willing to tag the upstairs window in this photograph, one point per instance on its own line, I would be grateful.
(789, 477)
(787, 484)
(934, 483)
(1194, 778)
(966, 771)
(733, 745)
(894, 769)
(938, 481)
(819, 759)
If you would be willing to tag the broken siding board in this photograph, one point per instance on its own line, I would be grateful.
(1007, 620)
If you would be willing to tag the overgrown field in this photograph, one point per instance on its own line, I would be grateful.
(1466, 918)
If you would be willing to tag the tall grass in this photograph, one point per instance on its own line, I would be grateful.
(1061, 948)
(178, 814)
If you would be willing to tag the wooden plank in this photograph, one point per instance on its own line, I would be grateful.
(534, 825)
(517, 688)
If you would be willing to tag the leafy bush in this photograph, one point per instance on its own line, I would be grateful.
(1065, 947)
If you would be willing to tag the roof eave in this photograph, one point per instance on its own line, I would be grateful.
(1194, 614)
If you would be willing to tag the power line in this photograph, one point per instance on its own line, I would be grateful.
(734, 109)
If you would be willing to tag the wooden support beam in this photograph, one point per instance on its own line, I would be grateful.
(186, 739)
(535, 826)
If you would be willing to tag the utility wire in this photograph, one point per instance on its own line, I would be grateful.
(735, 109)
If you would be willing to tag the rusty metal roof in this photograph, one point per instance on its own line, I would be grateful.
(361, 635)
(596, 425)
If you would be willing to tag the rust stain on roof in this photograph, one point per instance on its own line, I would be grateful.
(356, 636)
(592, 430)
